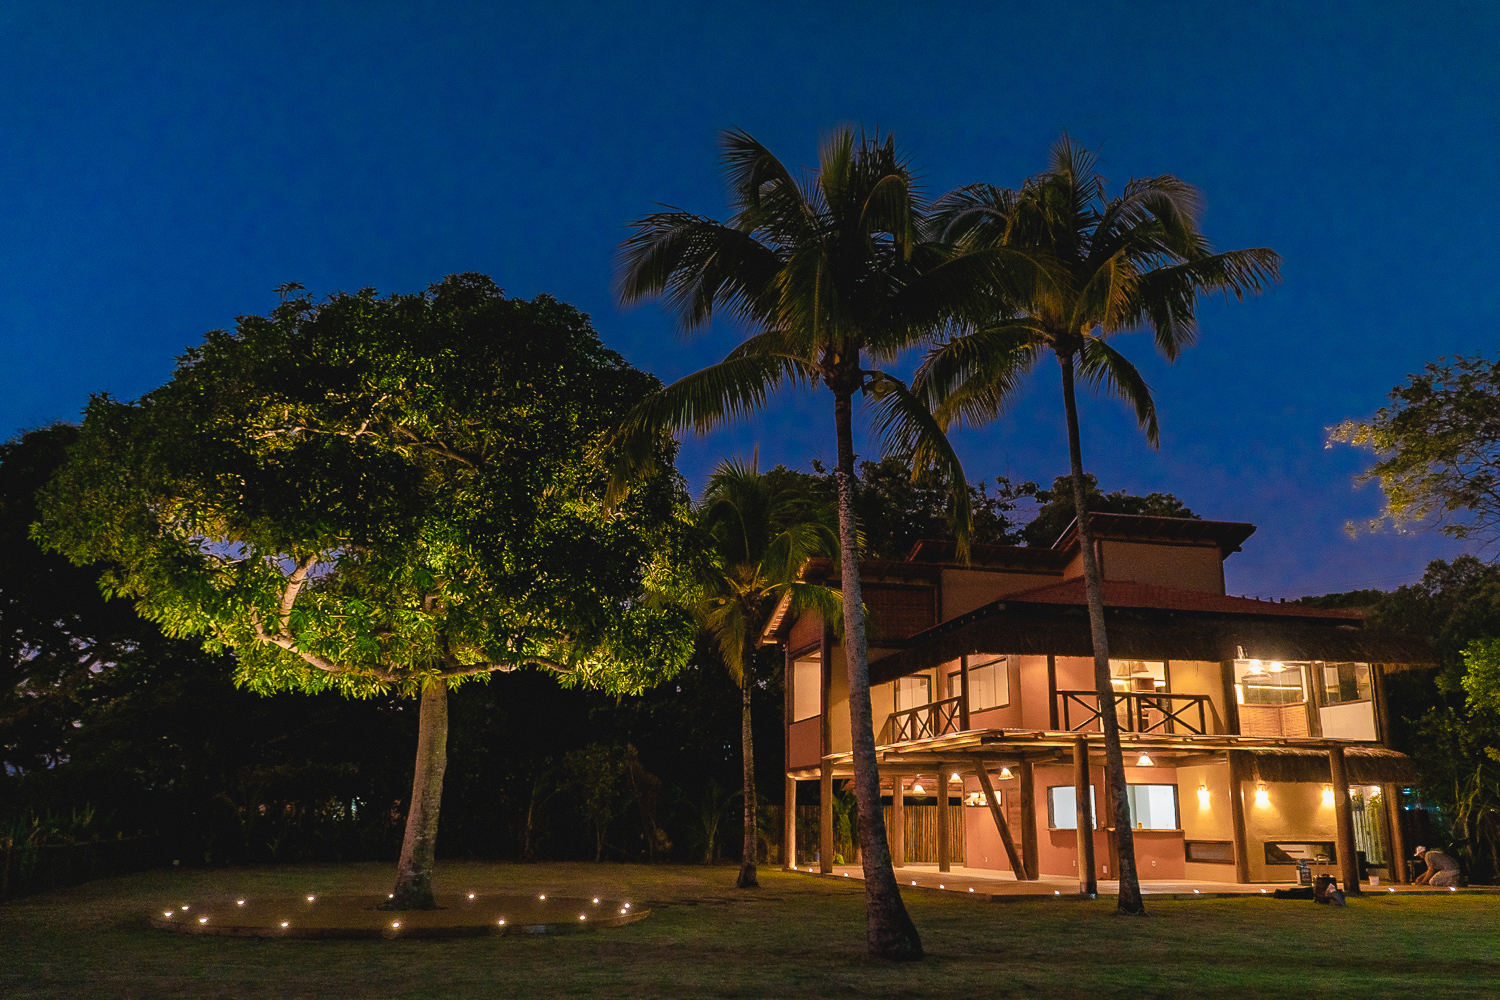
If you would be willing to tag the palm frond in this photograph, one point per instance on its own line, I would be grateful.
(908, 429)
(1166, 297)
(1101, 366)
(971, 379)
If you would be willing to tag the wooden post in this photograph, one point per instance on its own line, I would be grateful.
(1343, 814)
(1397, 841)
(1017, 867)
(897, 832)
(1028, 820)
(789, 825)
(1238, 775)
(1382, 707)
(1088, 879)
(825, 820)
(963, 704)
(1231, 701)
(943, 846)
(1052, 692)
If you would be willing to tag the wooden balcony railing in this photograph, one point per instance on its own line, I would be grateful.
(922, 722)
(1138, 712)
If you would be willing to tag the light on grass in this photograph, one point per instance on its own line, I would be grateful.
(239, 902)
(167, 914)
(395, 925)
(502, 921)
(581, 916)
(310, 899)
(183, 908)
(543, 896)
(285, 923)
(471, 895)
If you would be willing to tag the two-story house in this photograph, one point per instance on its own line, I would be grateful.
(1253, 730)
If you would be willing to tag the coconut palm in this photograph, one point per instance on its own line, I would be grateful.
(1133, 262)
(827, 271)
(762, 529)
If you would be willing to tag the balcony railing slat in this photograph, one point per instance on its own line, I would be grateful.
(1144, 712)
(924, 722)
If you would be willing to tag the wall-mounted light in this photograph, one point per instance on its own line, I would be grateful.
(1202, 795)
(1144, 760)
(1262, 796)
(1328, 795)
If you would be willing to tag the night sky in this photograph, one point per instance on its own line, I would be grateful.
(164, 167)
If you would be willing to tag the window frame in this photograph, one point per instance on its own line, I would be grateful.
(814, 657)
(1052, 808)
(1002, 662)
(1176, 806)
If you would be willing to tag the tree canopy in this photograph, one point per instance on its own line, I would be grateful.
(368, 491)
(1437, 449)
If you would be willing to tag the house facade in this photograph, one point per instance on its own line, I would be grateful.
(1254, 731)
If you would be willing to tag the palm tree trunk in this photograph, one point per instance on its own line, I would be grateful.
(889, 932)
(414, 871)
(1114, 761)
(747, 878)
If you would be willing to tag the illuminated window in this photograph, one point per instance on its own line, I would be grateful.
(1062, 813)
(1346, 682)
(1269, 683)
(989, 682)
(807, 687)
(1153, 807)
(1145, 676)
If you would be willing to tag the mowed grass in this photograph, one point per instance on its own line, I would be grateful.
(797, 936)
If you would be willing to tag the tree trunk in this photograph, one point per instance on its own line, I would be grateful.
(889, 931)
(414, 871)
(1114, 762)
(747, 879)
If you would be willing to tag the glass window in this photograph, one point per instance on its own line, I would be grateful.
(1062, 812)
(1269, 683)
(1145, 676)
(1152, 807)
(1211, 851)
(989, 682)
(1346, 682)
(913, 692)
(807, 688)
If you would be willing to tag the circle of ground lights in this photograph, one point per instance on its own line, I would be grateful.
(395, 925)
(239, 902)
(471, 895)
(183, 908)
(580, 916)
(167, 914)
(596, 900)
(542, 896)
(202, 920)
(285, 924)
(309, 899)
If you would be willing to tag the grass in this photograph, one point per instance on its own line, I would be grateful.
(797, 936)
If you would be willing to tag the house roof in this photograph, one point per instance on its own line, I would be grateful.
(1130, 594)
(1227, 535)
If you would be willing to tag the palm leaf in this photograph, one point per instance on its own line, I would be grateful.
(907, 428)
(1100, 365)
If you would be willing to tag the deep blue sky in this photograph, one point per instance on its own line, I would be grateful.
(164, 167)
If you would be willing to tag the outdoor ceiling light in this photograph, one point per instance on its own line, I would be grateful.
(1005, 774)
(916, 788)
(1143, 761)
(953, 776)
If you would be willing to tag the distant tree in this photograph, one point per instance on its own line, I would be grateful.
(385, 494)
(895, 509)
(761, 530)
(1136, 261)
(595, 777)
(1437, 450)
(1058, 508)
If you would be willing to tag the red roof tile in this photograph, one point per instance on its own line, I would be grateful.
(1129, 594)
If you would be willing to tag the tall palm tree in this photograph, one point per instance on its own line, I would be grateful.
(826, 271)
(762, 530)
(1135, 261)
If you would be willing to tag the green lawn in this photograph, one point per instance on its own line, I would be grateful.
(797, 937)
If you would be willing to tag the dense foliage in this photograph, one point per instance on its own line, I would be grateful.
(1437, 449)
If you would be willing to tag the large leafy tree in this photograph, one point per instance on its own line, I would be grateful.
(385, 494)
(1437, 449)
(830, 271)
(1059, 507)
(1137, 261)
(762, 529)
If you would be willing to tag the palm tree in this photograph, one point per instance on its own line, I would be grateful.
(1136, 261)
(762, 529)
(827, 271)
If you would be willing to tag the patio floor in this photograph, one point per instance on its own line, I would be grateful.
(1002, 884)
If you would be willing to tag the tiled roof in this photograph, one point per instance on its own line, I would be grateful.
(1129, 594)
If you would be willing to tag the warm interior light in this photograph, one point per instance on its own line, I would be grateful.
(1202, 795)
(1262, 796)
(1143, 761)
(1328, 795)
(1256, 668)
(1005, 774)
(1277, 667)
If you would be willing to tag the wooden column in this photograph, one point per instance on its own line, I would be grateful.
(1052, 692)
(1028, 819)
(789, 825)
(1088, 880)
(897, 832)
(963, 705)
(825, 821)
(1017, 865)
(1397, 841)
(1382, 707)
(1231, 703)
(943, 847)
(1343, 815)
(1239, 773)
